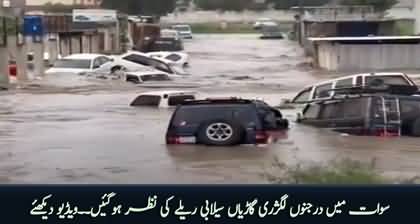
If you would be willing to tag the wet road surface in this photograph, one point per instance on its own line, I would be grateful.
(84, 132)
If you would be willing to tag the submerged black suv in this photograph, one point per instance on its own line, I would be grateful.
(395, 112)
(229, 121)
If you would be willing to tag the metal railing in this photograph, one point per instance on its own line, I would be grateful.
(340, 13)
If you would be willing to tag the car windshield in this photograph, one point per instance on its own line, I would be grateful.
(165, 45)
(173, 57)
(146, 100)
(72, 63)
(139, 59)
(182, 28)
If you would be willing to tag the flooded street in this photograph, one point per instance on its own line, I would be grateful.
(85, 132)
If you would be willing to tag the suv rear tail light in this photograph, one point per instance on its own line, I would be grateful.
(261, 137)
(172, 140)
(12, 70)
(380, 132)
(175, 140)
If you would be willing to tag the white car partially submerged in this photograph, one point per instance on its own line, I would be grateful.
(170, 33)
(133, 60)
(175, 58)
(79, 64)
(264, 22)
(163, 99)
(184, 30)
(148, 75)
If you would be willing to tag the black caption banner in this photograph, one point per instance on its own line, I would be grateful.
(208, 204)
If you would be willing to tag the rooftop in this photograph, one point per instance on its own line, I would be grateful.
(334, 7)
(367, 38)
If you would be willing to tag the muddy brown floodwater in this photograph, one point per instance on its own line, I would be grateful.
(84, 131)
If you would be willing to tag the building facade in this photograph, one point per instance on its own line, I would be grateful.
(407, 9)
(43, 2)
(17, 3)
(366, 54)
(64, 2)
(87, 2)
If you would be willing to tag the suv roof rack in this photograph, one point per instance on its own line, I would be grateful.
(361, 91)
(228, 100)
(389, 89)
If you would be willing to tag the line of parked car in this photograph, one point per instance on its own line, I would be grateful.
(373, 104)
(165, 60)
(133, 66)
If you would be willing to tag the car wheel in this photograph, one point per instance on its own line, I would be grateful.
(220, 133)
(415, 130)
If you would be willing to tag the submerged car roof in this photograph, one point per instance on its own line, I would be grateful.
(218, 101)
(84, 56)
(407, 97)
(169, 92)
(360, 74)
(181, 25)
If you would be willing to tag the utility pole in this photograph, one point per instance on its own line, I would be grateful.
(5, 12)
(300, 20)
(21, 54)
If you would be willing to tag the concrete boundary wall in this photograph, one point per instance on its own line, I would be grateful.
(216, 17)
(364, 57)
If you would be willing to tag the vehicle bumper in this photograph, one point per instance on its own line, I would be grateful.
(258, 138)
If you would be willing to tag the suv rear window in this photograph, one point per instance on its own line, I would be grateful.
(146, 101)
(351, 108)
(388, 80)
(196, 114)
(157, 77)
(176, 100)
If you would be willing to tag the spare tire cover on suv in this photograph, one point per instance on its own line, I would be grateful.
(415, 131)
(220, 132)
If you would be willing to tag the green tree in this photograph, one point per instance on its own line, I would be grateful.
(287, 4)
(58, 7)
(145, 7)
(380, 5)
(226, 5)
